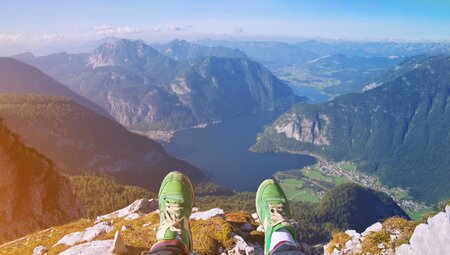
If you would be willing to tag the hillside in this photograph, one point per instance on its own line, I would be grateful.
(102, 194)
(33, 195)
(147, 91)
(398, 129)
(80, 140)
(18, 77)
(234, 231)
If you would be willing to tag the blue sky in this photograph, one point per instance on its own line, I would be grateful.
(63, 20)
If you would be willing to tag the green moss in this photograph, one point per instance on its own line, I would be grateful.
(405, 227)
(371, 242)
(209, 235)
(338, 241)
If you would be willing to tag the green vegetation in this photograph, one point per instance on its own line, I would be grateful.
(316, 175)
(308, 184)
(102, 195)
(348, 167)
(208, 235)
(348, 206)
(338, 241)
(398, 131)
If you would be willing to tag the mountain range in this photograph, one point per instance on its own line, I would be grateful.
(398, 128)
(78, 139)
(183, 50)
(147, 91)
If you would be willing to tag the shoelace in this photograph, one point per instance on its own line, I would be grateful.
(172, 214)
(276, 214)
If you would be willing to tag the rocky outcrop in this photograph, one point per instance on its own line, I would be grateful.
(87, 235)
(132, 211)
(243, 248)
(430, 238)
(33, 195)
(92, 248)
(215, 212)
(395, 236)
(304, 129)
(212, 230)
(118, 245)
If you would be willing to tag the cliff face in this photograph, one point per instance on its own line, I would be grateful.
(33, 195)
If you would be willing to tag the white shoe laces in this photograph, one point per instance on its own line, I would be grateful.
(171, 219)
(277, 214)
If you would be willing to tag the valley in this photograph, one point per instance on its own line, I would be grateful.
(310, 183)
(224, 127)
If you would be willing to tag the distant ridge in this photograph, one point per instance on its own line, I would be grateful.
(18, 77)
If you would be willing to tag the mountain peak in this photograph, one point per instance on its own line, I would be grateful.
(122, 52)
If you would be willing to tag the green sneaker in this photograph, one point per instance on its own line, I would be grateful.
(273, 211)
(176, 199)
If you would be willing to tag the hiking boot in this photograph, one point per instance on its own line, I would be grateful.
(273, 211)
(176, 199)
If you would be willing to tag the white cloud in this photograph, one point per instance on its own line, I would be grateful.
(105, 30)
(156, 29)
(179, 29)
(14, 37)
(129, 30)
(52, 37)
(20, 38)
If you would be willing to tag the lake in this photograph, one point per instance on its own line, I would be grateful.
(221, 151)
(313, 94)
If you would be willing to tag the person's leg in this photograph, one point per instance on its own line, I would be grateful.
(176, 199)
(273, 211)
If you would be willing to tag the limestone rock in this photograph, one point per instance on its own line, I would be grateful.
(87, 235)
(260, 228)
(255, 217)
(431, 238)
(376, 227)
(102, 247)
(133, 216)
(215, 212)
(244, 248)
(118, 245)
(126, 227)
(138, 206)
(40, 250)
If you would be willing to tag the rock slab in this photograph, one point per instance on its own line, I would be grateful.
(431, 238)
(102, 247)
(85, 236)
(138, 206)
(118, 245)
(215, 212)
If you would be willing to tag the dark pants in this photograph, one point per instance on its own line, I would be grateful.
(175, 247)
